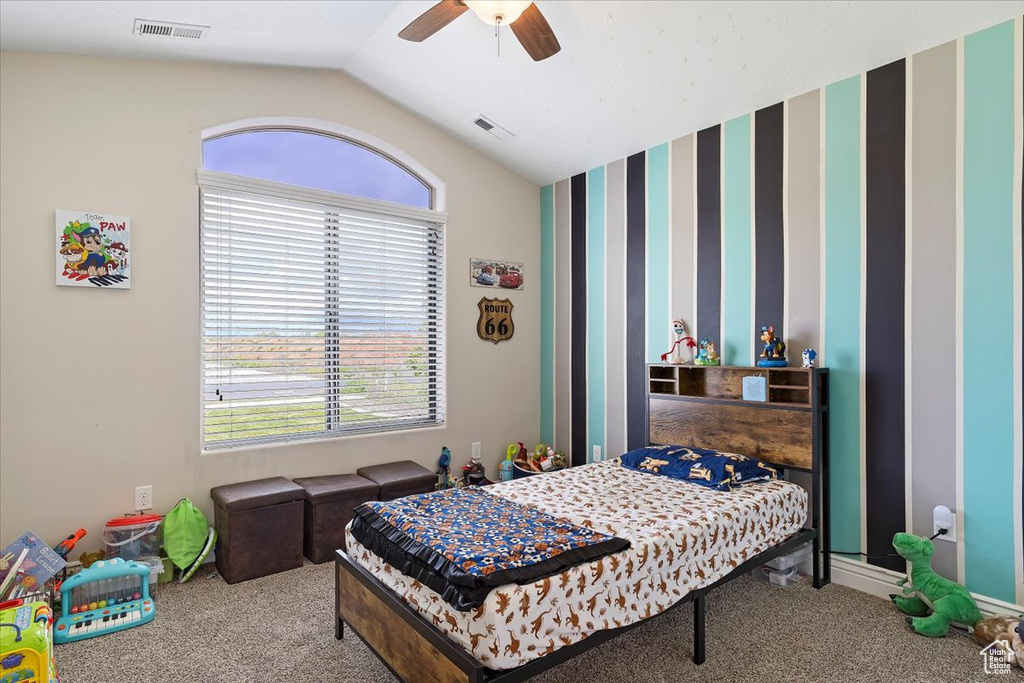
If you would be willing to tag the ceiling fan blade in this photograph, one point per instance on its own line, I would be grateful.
(433, 20)
(534, 32)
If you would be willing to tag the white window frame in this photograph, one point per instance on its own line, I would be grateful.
(436, 214)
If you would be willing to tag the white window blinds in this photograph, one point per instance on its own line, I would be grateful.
(318, 320)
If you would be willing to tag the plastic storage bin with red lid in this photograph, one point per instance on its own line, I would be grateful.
(133, 536)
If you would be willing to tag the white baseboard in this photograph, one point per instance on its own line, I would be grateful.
(881, 582)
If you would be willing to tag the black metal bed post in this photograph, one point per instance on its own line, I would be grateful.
(698, 627)
(339, 625)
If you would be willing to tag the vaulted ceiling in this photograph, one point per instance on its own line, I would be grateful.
(630, 74)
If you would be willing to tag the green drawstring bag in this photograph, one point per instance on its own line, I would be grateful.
(185, 533)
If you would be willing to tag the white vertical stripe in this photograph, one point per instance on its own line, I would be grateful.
(822, 358)
(785, 219)
(753, 239)
(1018, 303)
(960, 558)
(625, 301)
(908, 301)
(863, 311)
(554, 313)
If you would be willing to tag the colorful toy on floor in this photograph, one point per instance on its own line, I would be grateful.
(925, 591)
(774, 353)
(111, 595)
(808, 357)
(68, 544)
(444, 470)
(505, 468)
(88, 559)
(25, 637)
(473, 473)
(1009, 630)
(706, 353)
(679, 328)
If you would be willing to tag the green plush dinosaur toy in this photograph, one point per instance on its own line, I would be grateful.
(948, 601)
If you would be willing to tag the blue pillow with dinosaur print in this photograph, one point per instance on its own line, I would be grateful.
(721, 471)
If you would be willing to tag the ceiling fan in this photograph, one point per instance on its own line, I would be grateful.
(528, 24)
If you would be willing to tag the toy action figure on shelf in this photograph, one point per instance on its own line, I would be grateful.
(679, 327)
(774, 353)
(809, 356)
(706, 353)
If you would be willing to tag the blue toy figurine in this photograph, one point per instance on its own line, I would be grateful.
(444, 470)
(774, 353)
(809, 355)
(706, 353)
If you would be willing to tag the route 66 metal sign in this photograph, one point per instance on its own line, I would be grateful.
(495, 322)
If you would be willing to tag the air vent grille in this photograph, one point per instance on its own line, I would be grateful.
(148, 27)
(493, 128)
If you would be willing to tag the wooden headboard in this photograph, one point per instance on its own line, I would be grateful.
(703, 407)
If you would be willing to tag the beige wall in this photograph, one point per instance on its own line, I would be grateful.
(99, 390)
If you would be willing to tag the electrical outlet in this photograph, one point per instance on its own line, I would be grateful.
(144, 497)
(597, 453)
(944, 518)
(476, 450)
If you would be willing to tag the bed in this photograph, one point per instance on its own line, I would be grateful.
(685, 541)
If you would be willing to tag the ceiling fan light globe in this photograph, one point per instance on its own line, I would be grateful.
(490, 11)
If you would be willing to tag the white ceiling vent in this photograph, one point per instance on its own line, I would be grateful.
(148, 27)
(494, 129)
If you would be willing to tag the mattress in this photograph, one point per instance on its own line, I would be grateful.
(683, 537)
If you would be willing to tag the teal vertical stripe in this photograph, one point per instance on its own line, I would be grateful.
(737, 243)
(547, 314)
(988, 312)
(659, 317)
(595, 311)
(842, 305)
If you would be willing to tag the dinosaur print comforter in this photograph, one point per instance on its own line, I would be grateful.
(682, 537)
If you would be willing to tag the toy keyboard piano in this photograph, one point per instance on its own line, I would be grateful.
(111, 595)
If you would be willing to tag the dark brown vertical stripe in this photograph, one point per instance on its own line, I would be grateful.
(769, 287)
(709, 234)
(636, 305)
(884, 323)
(578, 194)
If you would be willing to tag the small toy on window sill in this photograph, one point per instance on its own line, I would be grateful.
(706, 354)
(774, 353)
(809, 356)
(679, 327)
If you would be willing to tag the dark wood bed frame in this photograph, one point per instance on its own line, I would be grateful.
(699, 406)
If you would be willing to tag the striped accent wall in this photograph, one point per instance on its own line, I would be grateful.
(877, 220)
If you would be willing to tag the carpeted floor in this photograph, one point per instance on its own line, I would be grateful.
(280, 628)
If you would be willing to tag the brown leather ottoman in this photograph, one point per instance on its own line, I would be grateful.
(329, 504)
(397, 479)
(259, 528)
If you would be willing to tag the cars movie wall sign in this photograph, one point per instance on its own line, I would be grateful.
(495, 322)
(93, 250)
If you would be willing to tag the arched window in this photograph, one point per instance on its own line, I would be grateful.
(316, 161)
(323, 284)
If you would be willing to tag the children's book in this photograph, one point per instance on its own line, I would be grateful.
(38, 564)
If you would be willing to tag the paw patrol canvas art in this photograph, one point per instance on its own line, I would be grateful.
(93, 250)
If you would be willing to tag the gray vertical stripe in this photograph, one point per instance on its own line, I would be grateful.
(563, 315)
(615, 309)
(683, 200)
(933, 286)
(803, 327)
